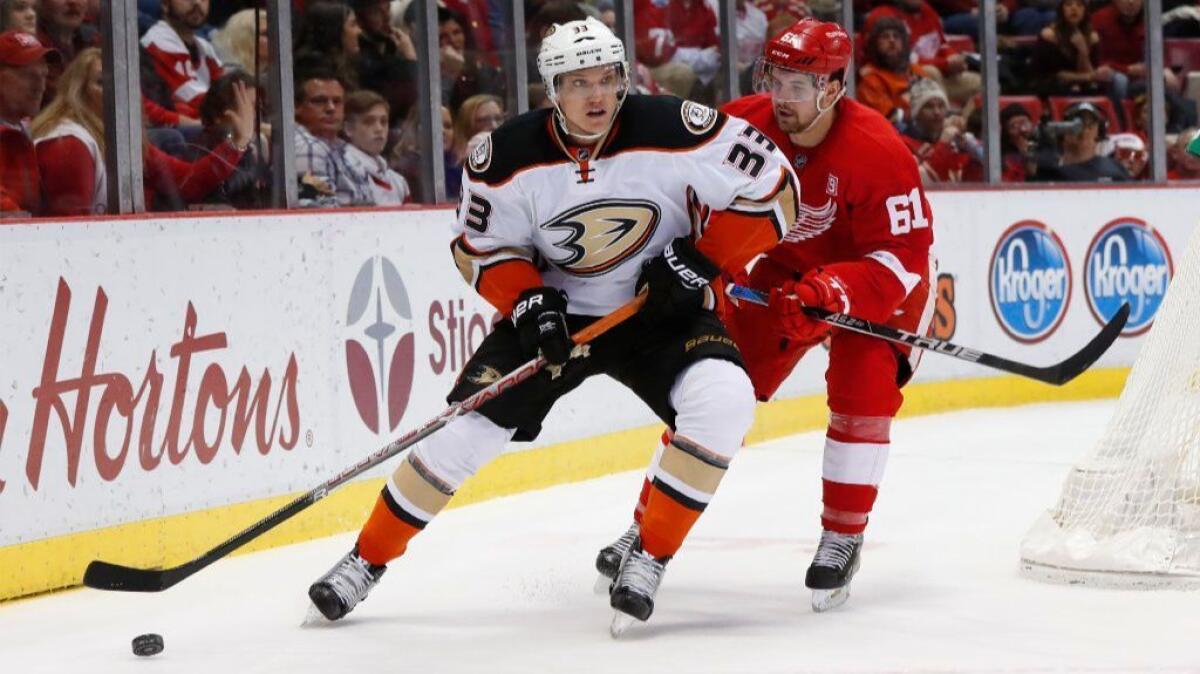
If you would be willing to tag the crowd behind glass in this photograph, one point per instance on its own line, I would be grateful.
(1073, 82)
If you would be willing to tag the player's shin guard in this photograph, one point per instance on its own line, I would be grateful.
(410, 499)
(856, 453)
(608, 560)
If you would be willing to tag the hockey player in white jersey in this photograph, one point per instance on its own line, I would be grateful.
(565, 215)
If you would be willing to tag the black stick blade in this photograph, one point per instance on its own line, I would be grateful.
(1090, 353)
(105, 576)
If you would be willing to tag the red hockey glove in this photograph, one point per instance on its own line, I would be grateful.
(818, 288)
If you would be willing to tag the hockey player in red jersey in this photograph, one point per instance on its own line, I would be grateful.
(861, 247)
(565, 214)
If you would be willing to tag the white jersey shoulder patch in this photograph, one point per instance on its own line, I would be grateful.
(698, 119)
(481, 156)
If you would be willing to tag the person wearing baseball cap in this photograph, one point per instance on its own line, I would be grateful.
(24, 65)
(1080, 159)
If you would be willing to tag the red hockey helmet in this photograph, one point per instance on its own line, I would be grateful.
(798, 63)
(810, 46)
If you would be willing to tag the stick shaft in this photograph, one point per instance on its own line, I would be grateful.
(105, 576)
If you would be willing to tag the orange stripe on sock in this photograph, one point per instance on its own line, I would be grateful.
(665, 523)
(384, 537)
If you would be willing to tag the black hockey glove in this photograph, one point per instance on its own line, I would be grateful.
(541, 319)
(676, 281)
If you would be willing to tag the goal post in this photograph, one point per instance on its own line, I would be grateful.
(1129, 512)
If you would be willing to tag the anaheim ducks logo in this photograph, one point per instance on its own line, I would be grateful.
(602, 234)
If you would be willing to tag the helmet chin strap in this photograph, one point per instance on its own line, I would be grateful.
(822, 111)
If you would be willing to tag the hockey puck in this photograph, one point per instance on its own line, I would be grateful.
(145, 645)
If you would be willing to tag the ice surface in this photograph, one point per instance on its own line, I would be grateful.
(505, 586)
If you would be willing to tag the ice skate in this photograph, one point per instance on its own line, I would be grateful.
(345, 585)
(608, 561)
(832, 569)
(634, 588)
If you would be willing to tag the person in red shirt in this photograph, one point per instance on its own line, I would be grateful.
(930, 47)
(24, 66)
(860, 246)
(678, 40)
(69, 137)
(186, 63)
(944, 150)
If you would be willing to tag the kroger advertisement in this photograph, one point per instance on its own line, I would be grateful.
(153, 367)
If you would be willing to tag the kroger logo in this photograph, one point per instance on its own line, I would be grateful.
(1029, 282)
(1127, 262)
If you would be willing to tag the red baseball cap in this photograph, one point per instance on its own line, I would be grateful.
(18, 48)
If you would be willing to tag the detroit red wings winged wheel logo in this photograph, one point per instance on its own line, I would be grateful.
(379, 345)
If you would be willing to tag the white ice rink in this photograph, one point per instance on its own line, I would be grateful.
(505, 586)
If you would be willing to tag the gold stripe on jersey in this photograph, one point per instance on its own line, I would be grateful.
(781, 205)
(602, 234)
(499, 275)
(470, 261)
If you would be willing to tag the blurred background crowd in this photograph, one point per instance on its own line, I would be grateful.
(1073, 80)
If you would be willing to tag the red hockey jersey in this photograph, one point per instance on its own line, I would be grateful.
(863, 213)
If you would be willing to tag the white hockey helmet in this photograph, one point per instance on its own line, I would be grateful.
(576, 45)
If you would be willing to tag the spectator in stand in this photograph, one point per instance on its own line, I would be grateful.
(1130, 152)
(693, 25)
(943, 149)
(69, 135)
(1080, 160)
(20, 15)
(751, 34)
(465, 70)
(481, 113)
(387, 58)
(961, 17)
(1031, 16)
(320, 111)
(62, 27)
(654, 43)
(478, 20)
(242, 44)
(1017, 133)
(24, 67)
(178, 66)
(1181, 164)
(329, 39)
(406, 156)
(1066, 56)
(930, 46)
(1122, 46)
(791, 10)
(884, 81)
(367, 128)
(249, 184)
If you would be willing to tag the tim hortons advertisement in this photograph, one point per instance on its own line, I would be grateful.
(159, 366)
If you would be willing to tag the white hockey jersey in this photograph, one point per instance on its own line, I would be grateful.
(537, 211)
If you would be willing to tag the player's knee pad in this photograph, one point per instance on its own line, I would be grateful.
(461, 448)
(714, 405)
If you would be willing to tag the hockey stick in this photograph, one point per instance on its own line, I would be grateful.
(1057, 374)
(107, 576)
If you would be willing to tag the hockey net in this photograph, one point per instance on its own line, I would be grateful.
(1129, 513)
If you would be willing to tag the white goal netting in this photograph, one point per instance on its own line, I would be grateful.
(1129, 513)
